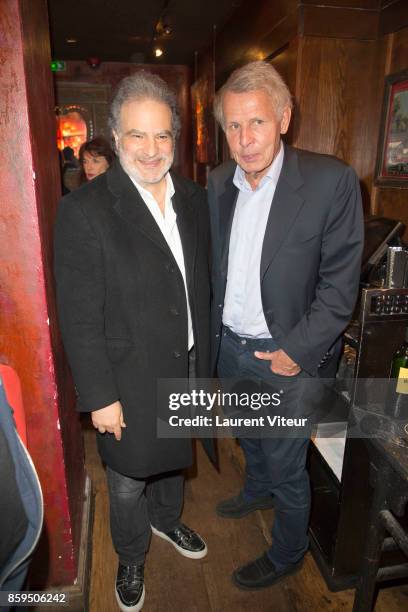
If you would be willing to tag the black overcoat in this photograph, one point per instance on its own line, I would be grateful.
(122, 309)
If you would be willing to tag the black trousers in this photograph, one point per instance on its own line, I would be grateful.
(274, 466)
(137, 504)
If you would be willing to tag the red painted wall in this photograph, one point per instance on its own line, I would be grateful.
(29, 191)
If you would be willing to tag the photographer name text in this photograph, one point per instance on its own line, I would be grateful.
(217, 421)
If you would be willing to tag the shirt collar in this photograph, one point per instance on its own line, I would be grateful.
(145, 193)
(272, 175)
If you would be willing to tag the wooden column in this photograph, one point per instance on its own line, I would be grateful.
(29, 341)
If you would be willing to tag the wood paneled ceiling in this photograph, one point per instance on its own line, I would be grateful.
(129, 30)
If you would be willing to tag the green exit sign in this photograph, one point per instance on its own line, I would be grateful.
(57, 66)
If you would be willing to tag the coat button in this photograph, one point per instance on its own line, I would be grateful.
(176, 354)
(174, 311)
(219, 305)
(170, 267)
(217, 335)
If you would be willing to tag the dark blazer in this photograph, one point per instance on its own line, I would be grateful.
(122, 309)
(311, 255)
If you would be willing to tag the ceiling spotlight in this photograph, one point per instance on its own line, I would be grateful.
(71, 41)
(167, 30)
(158, 52)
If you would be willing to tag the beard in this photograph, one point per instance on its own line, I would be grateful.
(147, 177)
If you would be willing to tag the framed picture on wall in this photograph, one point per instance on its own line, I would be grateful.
(392, 160)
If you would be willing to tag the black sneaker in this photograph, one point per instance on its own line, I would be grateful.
(185, 540)
(237, 507)
(129, 588)
(261, 573)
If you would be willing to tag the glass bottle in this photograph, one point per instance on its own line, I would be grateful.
(399, 387)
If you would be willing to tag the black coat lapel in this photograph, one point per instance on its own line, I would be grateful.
(131, 207)
(286, 205)
(227, 202)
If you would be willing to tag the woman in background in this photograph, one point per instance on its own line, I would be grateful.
(95, 157)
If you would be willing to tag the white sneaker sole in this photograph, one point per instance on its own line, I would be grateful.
(135, 608)
(186, 553)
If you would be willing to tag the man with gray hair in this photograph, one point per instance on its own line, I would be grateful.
(133, 295)
(287, 239)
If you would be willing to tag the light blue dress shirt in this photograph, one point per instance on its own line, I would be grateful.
(243, 312)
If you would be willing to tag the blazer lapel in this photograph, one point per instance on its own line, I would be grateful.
(286, 205)
(187, 225)
(130, 206)
(227, 202)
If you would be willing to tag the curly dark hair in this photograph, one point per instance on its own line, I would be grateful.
(98, 147)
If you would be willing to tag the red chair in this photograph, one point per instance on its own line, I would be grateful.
(19, 537)
(12, 388)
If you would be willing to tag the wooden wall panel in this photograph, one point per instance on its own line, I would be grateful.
(254, 34)
(339, 22)
(334, 59)
(399, 50)
(279, 37)
(339, 101)
(394, 16)
(285, 63)
(355, 4)
(393, 202)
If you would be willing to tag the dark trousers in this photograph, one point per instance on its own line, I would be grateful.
(137, 504)
(274, 466)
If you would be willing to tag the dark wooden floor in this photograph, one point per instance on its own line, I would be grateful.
(179, 584)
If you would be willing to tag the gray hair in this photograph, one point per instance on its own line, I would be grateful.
(251, 77)
(141, 86)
